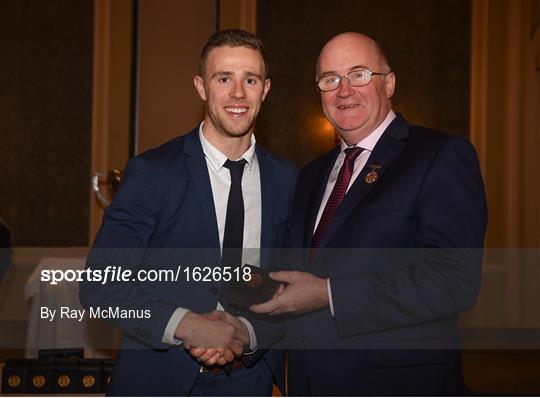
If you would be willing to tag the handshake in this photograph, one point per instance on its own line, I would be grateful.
(218, 337)
(215, 338)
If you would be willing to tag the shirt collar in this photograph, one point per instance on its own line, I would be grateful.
(217, 158)
(371, 140)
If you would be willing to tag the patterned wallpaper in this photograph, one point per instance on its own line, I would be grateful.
(45, 114)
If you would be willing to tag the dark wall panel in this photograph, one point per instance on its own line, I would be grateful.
(45, 114)
(428, 44)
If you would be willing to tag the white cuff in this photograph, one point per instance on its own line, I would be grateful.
(330, 297)
(252, 337)
(176, 317)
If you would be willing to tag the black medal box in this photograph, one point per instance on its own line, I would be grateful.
(258, 289)
(56, 374)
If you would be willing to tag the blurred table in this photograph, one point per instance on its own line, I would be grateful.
(97, 337)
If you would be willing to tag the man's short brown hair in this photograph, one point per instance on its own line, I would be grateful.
(232, 38)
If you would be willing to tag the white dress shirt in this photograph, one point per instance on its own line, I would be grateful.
(368, 144)
(220, 181)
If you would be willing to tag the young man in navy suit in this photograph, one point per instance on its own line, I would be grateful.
(213, 191)
(392, 234)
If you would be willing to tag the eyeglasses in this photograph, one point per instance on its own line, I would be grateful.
(356, 78)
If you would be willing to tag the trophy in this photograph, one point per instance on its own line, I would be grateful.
(111, 179)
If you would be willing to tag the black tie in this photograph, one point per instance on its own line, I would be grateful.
(233, 238)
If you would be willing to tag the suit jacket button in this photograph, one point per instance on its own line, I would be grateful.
(214, 290)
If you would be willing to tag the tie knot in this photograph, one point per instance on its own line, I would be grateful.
(352, 153)
(236, 168)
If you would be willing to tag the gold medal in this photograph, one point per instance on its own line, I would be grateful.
(38, 381)
(64, 381)
(14, 381)
(89, 381)
(255, 280)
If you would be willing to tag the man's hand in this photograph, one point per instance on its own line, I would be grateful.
(304, 293)
(241, 333)
(213, 338)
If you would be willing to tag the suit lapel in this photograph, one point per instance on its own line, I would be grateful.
(385, 152)
(317, 193)
(268, 193)
(196, 164)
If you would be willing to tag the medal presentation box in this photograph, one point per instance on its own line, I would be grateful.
(56, 376)
(257, 289)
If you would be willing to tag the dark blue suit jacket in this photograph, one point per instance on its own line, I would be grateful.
(403, 255)
(163, 215)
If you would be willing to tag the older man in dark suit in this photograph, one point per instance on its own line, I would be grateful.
(392, 223)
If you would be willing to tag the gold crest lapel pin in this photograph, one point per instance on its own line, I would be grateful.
(373, 174)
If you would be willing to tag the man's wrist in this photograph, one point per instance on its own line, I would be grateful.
(330, 301)
(252, 337)
(324, 282)
(170, 330)
(182, 331)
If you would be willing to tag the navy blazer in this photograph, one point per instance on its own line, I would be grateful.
(403, 254)
(163, 215)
